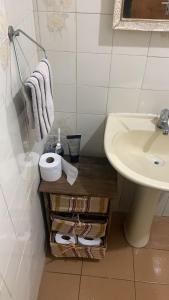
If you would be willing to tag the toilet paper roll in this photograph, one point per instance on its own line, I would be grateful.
(65, 239)
(89, 241)
(50, 166)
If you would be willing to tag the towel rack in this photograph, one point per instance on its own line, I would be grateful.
(14, 33)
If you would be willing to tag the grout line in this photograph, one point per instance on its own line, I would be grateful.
(82, 267)
(105, 53)
(108, 277)
(153, 283)
(80, 280)
(79, 287)
(65, 273)
(147, 57)
(74, 12)
(134, 274)
(141, 87)
(113, 278)
(158, 249)
(108, 87)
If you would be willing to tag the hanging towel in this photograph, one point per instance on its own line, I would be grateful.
(40, 84)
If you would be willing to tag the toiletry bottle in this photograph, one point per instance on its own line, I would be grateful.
(74, 147)
(59, 149)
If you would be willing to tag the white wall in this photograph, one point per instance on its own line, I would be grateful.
(97, 71)
(21, 225)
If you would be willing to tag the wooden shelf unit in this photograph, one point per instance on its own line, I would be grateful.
(96, 178)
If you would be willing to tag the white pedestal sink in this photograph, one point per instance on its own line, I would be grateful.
(139, 151)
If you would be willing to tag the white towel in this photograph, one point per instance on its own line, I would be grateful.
(40, 84)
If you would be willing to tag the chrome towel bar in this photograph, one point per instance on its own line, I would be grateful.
(14, 33)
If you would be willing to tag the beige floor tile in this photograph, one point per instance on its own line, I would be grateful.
(118, 262)
(59, 286)
(159, 238)
(151, 265)
(148, 291)
(109, 289)
(70, 266)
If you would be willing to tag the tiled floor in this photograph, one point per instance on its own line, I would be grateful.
(125, 273)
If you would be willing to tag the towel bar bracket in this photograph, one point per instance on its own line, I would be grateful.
(12, 33)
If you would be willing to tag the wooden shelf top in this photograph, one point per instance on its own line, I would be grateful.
(96, 177)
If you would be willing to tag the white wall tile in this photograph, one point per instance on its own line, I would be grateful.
(162, 204)
(7, 235)
(66, 122)
(63, 67)
(13, 266)
(153, 101)
(159, 44)
(157, 74)
(8, 179)
(91, 99)
(5, 92)
(65, 98)
(95, 6)
(57, 5)
(93, 69)
(131, 42)
(127, 71)
(166, 209)
(24, 290)
(91, 127)
(58, 31)
(28, 48)
(16, 16)
(35, 6)
(122, 100)
(96, 35)
(16, 174)
(4, 293)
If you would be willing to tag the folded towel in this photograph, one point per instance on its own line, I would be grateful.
(40, 84)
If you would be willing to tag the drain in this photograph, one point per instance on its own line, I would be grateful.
(156, 161)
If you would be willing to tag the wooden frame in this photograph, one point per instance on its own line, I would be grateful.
(136, 24)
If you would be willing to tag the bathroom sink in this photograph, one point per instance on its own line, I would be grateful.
(137, 149)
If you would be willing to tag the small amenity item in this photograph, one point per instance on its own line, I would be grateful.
(50, 146)
(74, 147)
(59, 149)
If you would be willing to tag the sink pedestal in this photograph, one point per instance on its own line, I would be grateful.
(138, 224)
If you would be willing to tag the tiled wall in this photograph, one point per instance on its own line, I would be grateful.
(21, 226)
(97, 71)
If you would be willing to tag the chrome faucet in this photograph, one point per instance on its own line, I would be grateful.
(163, 121)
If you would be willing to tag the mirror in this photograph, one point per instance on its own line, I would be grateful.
(147, 15)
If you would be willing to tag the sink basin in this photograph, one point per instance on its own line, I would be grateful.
(139, 151)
